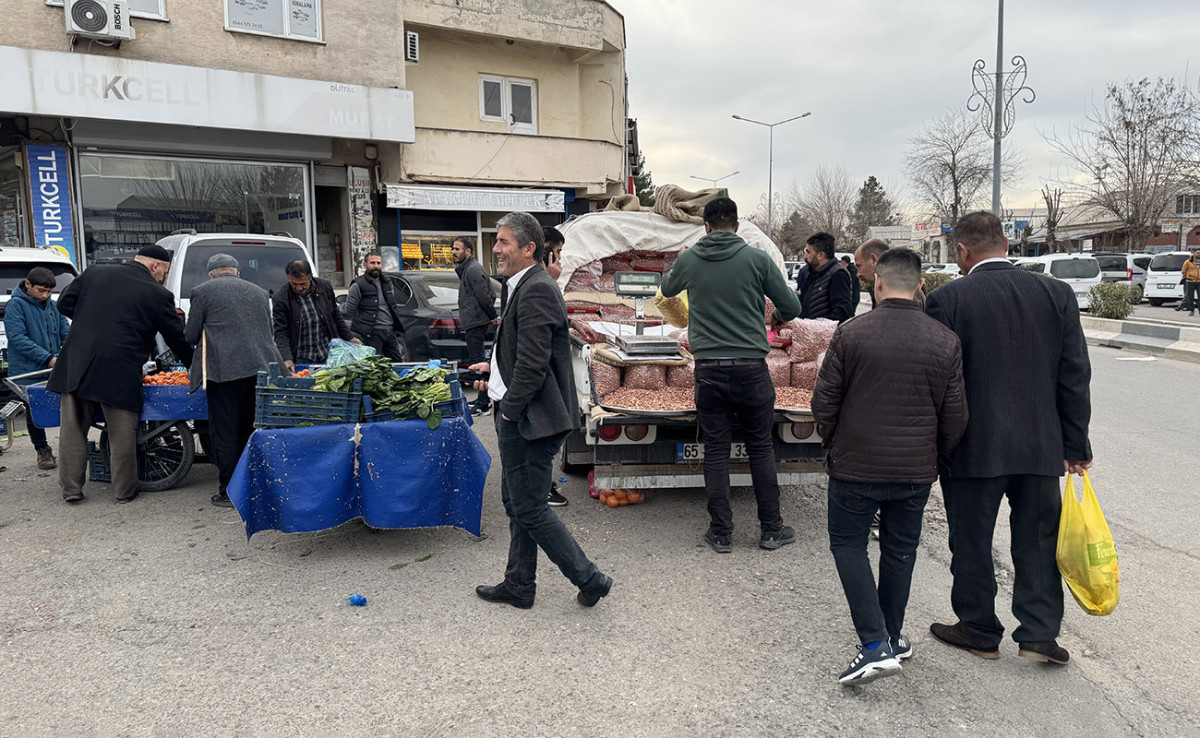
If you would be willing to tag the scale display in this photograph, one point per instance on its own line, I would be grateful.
(636, 284)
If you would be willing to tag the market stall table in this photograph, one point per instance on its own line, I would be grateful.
(398, 474)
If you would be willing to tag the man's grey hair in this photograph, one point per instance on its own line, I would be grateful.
(223, 270)
(527, 230)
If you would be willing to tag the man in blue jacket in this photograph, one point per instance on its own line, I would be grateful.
(36, 332)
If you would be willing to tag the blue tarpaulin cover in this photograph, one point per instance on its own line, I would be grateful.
(162, 402)
(399, 474)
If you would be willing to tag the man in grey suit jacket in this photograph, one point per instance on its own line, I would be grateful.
(230, 322)
(1026, 371)
(533, 388)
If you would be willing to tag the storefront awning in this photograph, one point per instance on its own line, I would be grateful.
(430, 197)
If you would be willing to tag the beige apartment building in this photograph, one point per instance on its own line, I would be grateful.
(348, 124)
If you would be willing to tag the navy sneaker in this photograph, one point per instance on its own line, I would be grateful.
(901, 647)
(871, 664)
(720, 544)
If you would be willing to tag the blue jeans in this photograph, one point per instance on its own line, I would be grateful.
(526, 469)
(877, 612)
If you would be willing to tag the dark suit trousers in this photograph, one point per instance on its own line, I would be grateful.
(971, 509)
(476, 339)
(526, 468)
(75, 420)
(230, 423)
(877, 612)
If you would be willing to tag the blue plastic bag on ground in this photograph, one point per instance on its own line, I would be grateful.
(343, 352)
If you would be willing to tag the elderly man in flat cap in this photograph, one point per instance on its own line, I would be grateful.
(115, 312)
(230, 325)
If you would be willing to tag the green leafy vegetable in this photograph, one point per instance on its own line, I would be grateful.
(416, 394)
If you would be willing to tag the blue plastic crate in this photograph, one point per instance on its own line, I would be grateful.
(98, 470)
(282, 401)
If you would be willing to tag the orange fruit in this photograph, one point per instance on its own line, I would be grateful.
(613, 502)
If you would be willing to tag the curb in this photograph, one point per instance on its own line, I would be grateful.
(1170, 341)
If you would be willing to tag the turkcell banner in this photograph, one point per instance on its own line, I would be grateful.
(50, 198)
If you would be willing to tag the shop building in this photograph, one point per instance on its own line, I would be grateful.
(269, 117)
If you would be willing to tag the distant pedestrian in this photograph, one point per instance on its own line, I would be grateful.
(117, 311)
(888, 403)
(1026, 369)
(230, 324)
(854, 282)
(36, 332)
(554, 246)
(476, 309)
(305, 317)
(728, 282)
(374, 311)
(827, 291)
(1191, 282)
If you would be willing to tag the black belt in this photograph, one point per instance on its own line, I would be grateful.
(729, 362)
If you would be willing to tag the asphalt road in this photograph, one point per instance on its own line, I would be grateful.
(159, 618)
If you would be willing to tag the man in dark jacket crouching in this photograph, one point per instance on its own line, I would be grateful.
(889, 403)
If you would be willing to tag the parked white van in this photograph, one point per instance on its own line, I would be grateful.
(1079, 271)
(1164, 277)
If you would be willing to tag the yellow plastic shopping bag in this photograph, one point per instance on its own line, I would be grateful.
(1087, 556)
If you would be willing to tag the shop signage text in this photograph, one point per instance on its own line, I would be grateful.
(449, 198)
(50, 198)
(57, 84)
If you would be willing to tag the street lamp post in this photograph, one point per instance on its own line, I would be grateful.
(714, 181)
(771, 158)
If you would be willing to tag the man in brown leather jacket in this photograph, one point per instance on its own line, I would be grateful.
(889, 403)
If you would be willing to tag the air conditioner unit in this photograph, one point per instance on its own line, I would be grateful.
(412, 47)
(106, 20)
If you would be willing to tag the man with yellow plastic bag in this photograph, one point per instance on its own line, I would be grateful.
(1027, 374)
(1087, 556)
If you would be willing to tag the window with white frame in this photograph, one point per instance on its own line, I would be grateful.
(510, 101)
(152, 9)
(1187, 205)
(297, 19)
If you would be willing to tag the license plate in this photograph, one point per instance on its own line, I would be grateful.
(1166, 286)
(687, 452)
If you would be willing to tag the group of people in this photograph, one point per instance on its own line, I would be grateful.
(233, 331)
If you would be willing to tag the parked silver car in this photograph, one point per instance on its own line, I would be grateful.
(1129, 269)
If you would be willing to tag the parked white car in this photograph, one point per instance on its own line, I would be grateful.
(261, 259)
(1164, 277)
(1081, 272)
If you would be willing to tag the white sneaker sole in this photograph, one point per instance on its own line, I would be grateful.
(871, 672)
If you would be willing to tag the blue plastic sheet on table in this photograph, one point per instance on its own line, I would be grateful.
(392, 475)
(162, 402)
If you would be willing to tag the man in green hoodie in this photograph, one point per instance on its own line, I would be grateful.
(726, 280)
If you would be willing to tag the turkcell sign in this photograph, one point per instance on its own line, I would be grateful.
(50, 198)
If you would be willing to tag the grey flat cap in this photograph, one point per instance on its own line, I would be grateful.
(222, 261)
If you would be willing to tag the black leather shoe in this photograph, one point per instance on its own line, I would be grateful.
(220, 500)
(589, 598)
(130, 498)
(501, 593)
(73, 497)
(954, 635)
(1047, 653)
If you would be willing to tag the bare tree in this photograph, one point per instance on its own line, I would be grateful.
(1053, 200)
(950, 167)
(1136, 150)
(827, 200)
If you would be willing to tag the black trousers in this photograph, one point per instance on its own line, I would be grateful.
(526, 467)
(971, 509)
(743, 394)
(1191, 294)
(36, 435)
(385, 343)
(476, 353)
(230, 423)
(877, 612)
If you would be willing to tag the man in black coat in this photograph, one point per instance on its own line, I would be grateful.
(827, 291)
(116, 312)
(374, 309)
(476, 308)
(532, 384)
(305, 317)
(1026, 369)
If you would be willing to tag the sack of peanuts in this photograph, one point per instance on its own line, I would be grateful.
(681, 376)
(682, 337)
(804, 375)
(606, 378)
(769, 311)
(582, 281)
(809, 338)
(645, 376)
(674, 309)
(780, 367)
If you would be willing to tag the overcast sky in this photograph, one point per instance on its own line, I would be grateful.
(873, 72)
